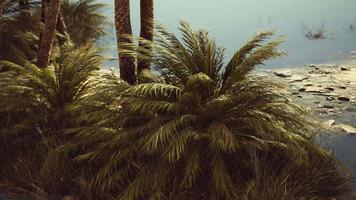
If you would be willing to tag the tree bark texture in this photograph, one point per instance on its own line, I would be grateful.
(51, 17)
(147, 23)
(123, 26)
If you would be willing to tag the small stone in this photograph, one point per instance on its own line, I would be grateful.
(332, 111)
(343, 87)
(323, 110)
(295, 93)
(328, 124)
(330, 88)
(302, 90)
(299, 96)
(325, 106)
(343, 99)
(282, 74)
(298, 78)
(327, 94)
(330, 98)
(317, 102)
(314, 89)
(343, 68)
(346, 128)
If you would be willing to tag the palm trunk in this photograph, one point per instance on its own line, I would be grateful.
(1, 8)
(123, 26)
(51, 18)
(23, 5)
(147, 17)
(44, 7)
(62, 29)
(24, 8)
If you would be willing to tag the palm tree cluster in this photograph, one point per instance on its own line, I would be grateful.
(22, 27)
(19, 32)
(83, 20)
(194, 129)
(201, 129)
(34, 114)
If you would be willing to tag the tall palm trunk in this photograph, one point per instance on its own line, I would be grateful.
(62, 29)
(61, 26)
(24, 5)
(123, 26)
(2, 5)
(51, 17)
(1, 8)
(44, 7)
(147, 17)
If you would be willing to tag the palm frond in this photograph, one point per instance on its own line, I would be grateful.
(204, 130)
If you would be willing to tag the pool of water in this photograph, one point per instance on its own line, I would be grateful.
(232, 22)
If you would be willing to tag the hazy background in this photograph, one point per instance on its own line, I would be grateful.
(232, 22)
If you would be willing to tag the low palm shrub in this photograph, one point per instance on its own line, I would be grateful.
(34, 111)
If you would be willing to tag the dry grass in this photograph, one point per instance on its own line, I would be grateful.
(315, 33)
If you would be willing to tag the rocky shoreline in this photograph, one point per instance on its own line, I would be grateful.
(328, 90)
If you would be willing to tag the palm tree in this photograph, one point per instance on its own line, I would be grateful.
(123, 27)
(34, 106)
(84, 20)
(2, 5)
(147, 17)
(203, 130)
(61, 28)
(19, 34)
(48, 35)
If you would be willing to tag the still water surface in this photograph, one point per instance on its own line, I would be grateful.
(232, 22)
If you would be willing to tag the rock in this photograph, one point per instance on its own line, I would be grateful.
(299, 96)
(325, 106)
(282, 74)
(309, 84)
(328, 124)
(327, 94)
(298, 78)
(330, 88)
(343, 99)
(317, 102)
(295, 93)
(314, 89)
(301, 90)
(323, 110)
(330, 98)
(314, 66)
(344, 68)
(346, 128)
(320, 71)
(343, 87)
(332, 111)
